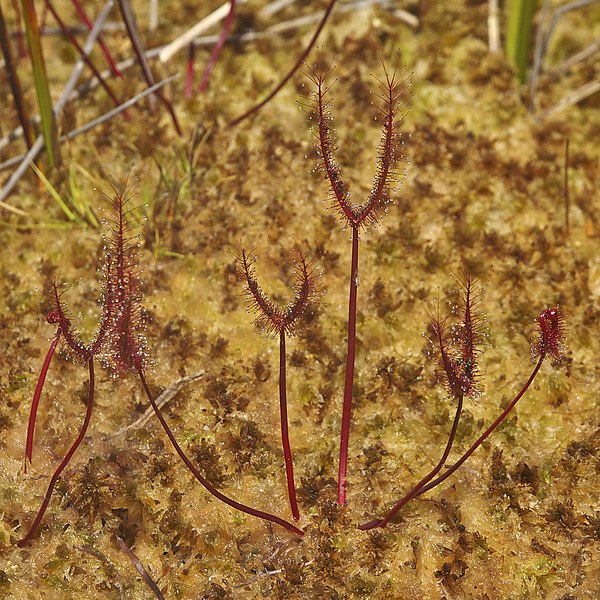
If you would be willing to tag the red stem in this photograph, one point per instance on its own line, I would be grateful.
(234, 504)
(475, 444)
(212, 61)
(20, 34)
(285, 438)
(82, 14)
(10, 66)
(67, 33)
(486, 433)
(134, 35)
(566, 185)
(36, 398)
(347, 406)
(65, 460)
(291, 72)
(417, 488)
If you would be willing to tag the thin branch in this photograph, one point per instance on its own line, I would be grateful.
(212, 61)
(115, 111)
(576, 58)
(540, 49)
(252, 110)
(137, 563)
(576, 96)
(89, 25)
(18, 32)
(165, 397)
(136, 41)
(152, 15)
(167, 52)
(13, 80)
(87, 48)
(493, 27)
(12, 209)
(58, 107)
(543, 40)
(73, 40)
(90, 125)
(19, 172)
(97, 554)
(210, 40)
(322, 18)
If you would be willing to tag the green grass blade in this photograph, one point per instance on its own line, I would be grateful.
(57, 198)
(518, 38)
(41, 80)
(75, 197)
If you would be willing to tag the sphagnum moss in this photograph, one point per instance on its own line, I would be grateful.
(494, 537)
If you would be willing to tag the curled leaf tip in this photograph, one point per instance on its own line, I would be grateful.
(53, 317)
(551, 322)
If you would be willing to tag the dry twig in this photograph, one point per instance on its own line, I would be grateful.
(543, 39)
(140, 567)
(113, 570)
(493, 27)
(576, 96)
(95, 122)
(58, 107)
(167, 52)
(161, 401)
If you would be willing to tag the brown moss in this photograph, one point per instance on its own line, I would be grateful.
(206, 456)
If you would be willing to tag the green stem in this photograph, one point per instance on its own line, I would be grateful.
(40, 77)
(518, 38)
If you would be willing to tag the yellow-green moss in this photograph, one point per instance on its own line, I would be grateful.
(519, 520)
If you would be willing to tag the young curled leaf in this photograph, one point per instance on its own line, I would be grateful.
(551, 324)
